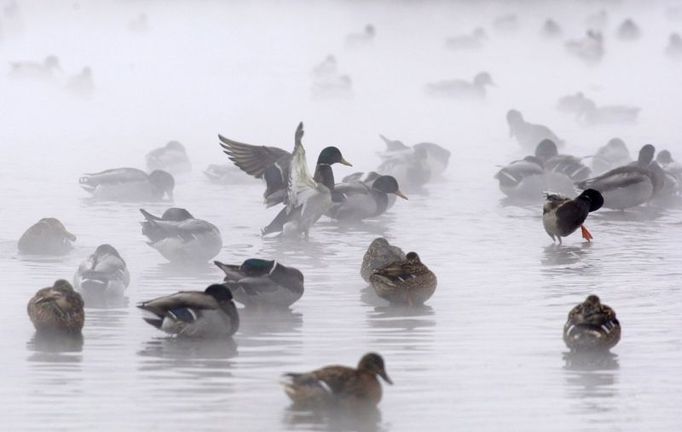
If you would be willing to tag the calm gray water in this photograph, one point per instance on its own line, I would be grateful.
(485, 354)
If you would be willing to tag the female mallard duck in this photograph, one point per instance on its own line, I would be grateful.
(46, 237)
(129, 184)
(179, 237)
(591, 326)
(461, 89)
(273, 165)
(171, 158)
(208, 313)
(528, 135)
(258, 282)
(57, 308)
(339, 385)
(561, 216)
(103, 275)
(380, 253)
(363, 200)
(407, 282)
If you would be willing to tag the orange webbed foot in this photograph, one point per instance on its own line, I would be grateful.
(586, 234)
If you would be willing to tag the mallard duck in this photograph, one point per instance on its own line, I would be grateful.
(528, 135)
(361, 39)
(129, 184)
(46, 237)
(103, 275)
(628, 30)
(81, 84)
(674, 48)
(425, 160)
(307, 199)
(208, 313)
(561, 216)
(461, 89)
(339, 385)
(380, 253)
(363, 200)
(407, 282)
(57, 308)
(273, 165)
(589, 49)
(591, 326)
(171, 158)
(472, 41)
(551, 29)
(553, 162)
(44, 70)
(612, 155)
(258, 282)
(179, 237)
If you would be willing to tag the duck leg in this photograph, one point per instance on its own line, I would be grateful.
(586, 234)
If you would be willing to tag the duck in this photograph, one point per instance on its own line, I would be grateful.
(551, 29)
(587, 112)
(407, 282)
(665, 159)
(273, 165)
(380, 253)
(258, 282)
(472, 41)
(194, 314)
(57, 309)
(104, 274)
(589, 49)
(44, 71)
(553, 162)
(328, 67)
(413, 166)
(628, 186)
(591, 326)
(81, 84)
(562, 216)
(307, 198)
(528, 135)
(674, 48)
(171, 158)
(356, 40)
(628, 30)
(364, 200)
(462, 89)
(48, 236)
(128, 184)
(180, 237)
(336, 86)
(339, 386)
(613, 154)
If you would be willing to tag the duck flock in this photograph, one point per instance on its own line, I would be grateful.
(546, 174)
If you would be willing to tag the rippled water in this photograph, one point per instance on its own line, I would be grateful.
(484, 354)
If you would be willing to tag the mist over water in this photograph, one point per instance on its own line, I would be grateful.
(485, 353)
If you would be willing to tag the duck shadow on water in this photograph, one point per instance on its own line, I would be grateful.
(55, 347)
(591, 374)
(558, 255)
(181, 350)
(334, 419)
(292, 250)
(255, 321)
(201, 271)
(105, 302)
(387, 316)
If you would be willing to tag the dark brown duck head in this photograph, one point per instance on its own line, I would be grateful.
(374, 363)
(413, 258)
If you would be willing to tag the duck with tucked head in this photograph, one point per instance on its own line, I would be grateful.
(407, 282)
(171, 158)
(339, 386)
(380, 253)
(46, 237)
(103, 275)
(202, 314)
(363, 200)
(129, 184)
(258, 282)
(562, 216)
(591, 326)
(57, 308)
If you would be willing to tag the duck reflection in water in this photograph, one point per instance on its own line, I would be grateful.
(366, 419)
(181, 350)
(591, 375)
(55, 347)
(555, 255)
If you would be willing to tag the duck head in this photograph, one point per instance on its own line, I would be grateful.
(664, 157)
(617, 143)
(514, 119)
(483, 79)
(646, 155)
(163, 182)
(52, 62)
(546, 150)
(219, 292)
(370, 30)
(374, 363)
(412, 257)
(107, 249)
(257, 267)
(388, 185)
(593, 197)
(332, 155)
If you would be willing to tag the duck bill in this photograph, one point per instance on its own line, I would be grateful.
(401, 195)
(385, 377)
(345, 162)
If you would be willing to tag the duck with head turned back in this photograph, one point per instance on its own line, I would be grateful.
(561, 216)
(46, 237)
(339, 386)
(57, 308)
(407, 282)
(380, 253)
(591, 326)
(103, 275)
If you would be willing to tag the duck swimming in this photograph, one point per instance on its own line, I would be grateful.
(258, 282)
(472, 41)
(628, 30)
(561, 216)
(57, 308)
(461, 89)
(589, 49)
(611, 155)
(129, 184)
(339, 385)
(46, 237)
(591, 326)
(103, 275)
(380, 253)
(528, 135)
(44, 71)
(171, 158)
(364, 199)
(355, 40)
(587, 112)
(81, 84)
(407, 282)
(181, 238)
(551, 29)
(198, 314)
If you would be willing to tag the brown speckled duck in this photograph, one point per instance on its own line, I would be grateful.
(46, 237)
(339, 385)
(379, 254)
(407, 282)
(57, 308)
(591, 326)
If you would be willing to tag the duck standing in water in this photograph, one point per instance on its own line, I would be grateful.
(57, 308)
(561, 216)
(171, 158)
(201, 314)
(103, 275)
(380, 253)
(362, 200)
(591, 326)
(339, 386)
(129, 184)
(407, 282)
(46, 237)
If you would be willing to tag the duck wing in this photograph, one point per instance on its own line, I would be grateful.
(253, 160)
(302, 186)
(113, 176)
(617, 178)
(183, 299)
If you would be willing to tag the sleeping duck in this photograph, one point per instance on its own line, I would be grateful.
(461, 89)
(44, 71)
(407, 282)
(103, 275)
(171, 158)
(201, 314)
(591, 326)
(628, 30)
(129, 184)
(179, 237)
(46, 237)
(611, 155)
(380, 253)
(435, 158)
(561, 216)
(339, 386)
(590, 49)
(258, 282)
(528, 135)
(472, 41)
(364, 200)
(273, 165)
(57, 308)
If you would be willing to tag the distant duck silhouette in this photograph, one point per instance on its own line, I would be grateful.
(328, 67)
(587, 111)
(128, 184)
(562, 216)
(611, 155)
(140, 24)
(461, 89)
(46, 237)
(364, 200)
(407, 282)
(81, 84)
(628, 30)
(591, 326)
(665, 159)
(674, 48)
(380, 253)
(338, 86)
(413, 166)
(528, 135)
(472, 41)
(43, 71)
(597, 20)
(590, 48)
(506, 23)
(551, 29)
(102, 275)
(57, 309)
(364, 38)
(171, 158)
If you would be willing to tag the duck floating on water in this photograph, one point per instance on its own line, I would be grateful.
(57, 309)
(528, 135)
(562, 216)
(407, 282)
(81, 84)
(366, 37)
(48, 236)
(413, 166)
(628, 30)
(590, 49)
(103, 275)
(129, 184)
(171, 158)
(362, 200)
(612, 155)
(551, 29)
(587, 112)
(380, 253)
(461, 89)
(591, 326)
(46, 70)
(472, 41)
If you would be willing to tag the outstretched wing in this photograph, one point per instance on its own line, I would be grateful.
(301, 183)
(251, 159)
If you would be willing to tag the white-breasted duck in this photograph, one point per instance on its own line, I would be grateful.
(562, 216)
